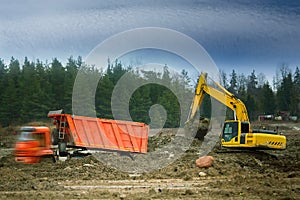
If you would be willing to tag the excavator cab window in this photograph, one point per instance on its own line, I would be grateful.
(230, 131)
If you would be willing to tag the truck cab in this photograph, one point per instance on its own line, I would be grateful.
(32, 143)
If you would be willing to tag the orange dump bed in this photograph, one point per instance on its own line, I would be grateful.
(97, 133)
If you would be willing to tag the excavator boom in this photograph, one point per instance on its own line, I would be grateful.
(220, 94)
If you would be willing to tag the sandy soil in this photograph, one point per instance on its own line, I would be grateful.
(234, 175)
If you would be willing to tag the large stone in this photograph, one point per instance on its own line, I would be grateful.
(205, 162)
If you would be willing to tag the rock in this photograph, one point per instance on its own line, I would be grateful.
(258, 162)
(88, 165)
(171, 156)
(202, 174)
(68, 168)
(122, 196)
(205, 161)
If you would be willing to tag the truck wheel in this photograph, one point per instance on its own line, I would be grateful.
(54, 137)
(62, 149)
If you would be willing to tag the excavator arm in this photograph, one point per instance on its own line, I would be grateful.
(220, 94)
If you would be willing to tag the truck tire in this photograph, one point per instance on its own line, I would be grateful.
(54, 137)
(62, 149)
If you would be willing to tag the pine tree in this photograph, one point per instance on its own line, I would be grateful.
(29, 92)
(103, 97)
(251, 106)
(297, 90)
(56, 78)
(3, 87)
(268, 99)
(72, 67)
(3, 71)
(297, 79)
(170, 103)
(44, 90)
(286, 95)
(117, 71)
(11, 95)
(241, 87)
(184, 93)
(233, 83)
(140, 104)
(252, 83)
(224, 81)
(155, 89)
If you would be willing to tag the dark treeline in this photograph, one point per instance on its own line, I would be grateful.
(30, 89)
(260, 97)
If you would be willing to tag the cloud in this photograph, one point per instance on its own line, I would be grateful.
(234, 33)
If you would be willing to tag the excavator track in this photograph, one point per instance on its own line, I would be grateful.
(253, 151)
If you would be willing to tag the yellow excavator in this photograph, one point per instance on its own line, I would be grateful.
(237, 132)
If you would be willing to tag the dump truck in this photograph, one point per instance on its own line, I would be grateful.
(237, 132)
(79, 134)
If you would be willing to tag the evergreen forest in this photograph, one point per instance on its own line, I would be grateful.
(29, 90)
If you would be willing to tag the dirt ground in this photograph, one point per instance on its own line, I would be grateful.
(234, 175)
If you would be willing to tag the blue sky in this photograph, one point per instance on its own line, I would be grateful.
(240, 35)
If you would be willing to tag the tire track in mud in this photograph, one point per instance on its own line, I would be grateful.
(137, 185)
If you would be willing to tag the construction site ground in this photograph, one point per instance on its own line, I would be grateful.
(234, 174)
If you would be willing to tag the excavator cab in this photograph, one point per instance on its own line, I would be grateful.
(230, 131)
(234, 132)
